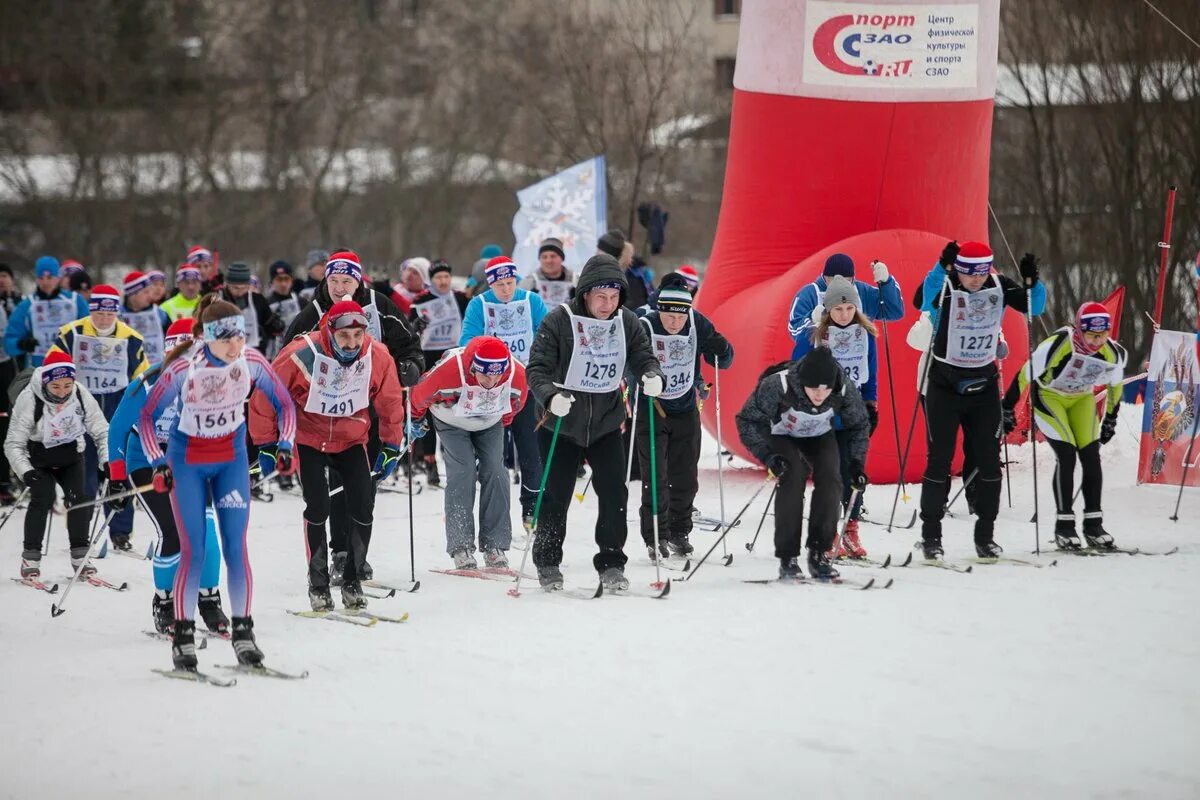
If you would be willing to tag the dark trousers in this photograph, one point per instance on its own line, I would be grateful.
(122, 523)
(1064, 477)
(41, 500)
(606, 456)
(158, 504)
(844, 467)
(338, 509)
(815, 457)
(676, 455)
(8, 371)
(359, 496)
(979, 417)
(529, 456)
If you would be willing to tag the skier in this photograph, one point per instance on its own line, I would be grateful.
(45, 446)
(335, 375)
(787, 423)
(1066, 367)
(66, 270)
(512, 315)
(472, 394)
(283, 300)
(868, 297)
(554, 282)
(963, 305)
(157, 290)
(128, 467)
(207, 455)
(211, 279)
(841, 326)
(34, 323)
(437, 314)
(261, 322)
(143, 316)
(578, 360)
(187, 297)
(679, 336)
(414, 280)
(107, 355)
(689, 274)
(314, 264)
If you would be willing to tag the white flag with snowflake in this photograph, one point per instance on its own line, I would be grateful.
(571, 206)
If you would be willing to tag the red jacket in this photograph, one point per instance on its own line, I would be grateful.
(332, 434)
(442, 384)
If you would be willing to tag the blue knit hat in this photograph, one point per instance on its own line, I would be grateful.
(490, 251)
(45, 265)
(839, 264)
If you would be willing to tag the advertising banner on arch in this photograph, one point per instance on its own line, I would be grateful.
(1169, 418)
(571, 206)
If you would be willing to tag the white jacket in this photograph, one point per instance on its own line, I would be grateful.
(22, 429)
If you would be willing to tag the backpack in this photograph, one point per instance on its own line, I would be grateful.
(18, 385)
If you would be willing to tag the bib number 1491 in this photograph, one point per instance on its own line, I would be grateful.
(341, 408)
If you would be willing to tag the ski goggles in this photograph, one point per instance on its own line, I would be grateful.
(104, 303)
(1095, 323)
(348, 320)
(225, 328)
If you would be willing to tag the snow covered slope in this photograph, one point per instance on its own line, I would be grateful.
(1071, 681)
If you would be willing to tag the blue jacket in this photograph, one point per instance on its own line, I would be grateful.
(123, 442)
(20, 326)
(869, 390)
(931, 288)
(806, 300)
(472, 324)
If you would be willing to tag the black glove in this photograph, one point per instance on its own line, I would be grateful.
(31, 478)
(778, 465)
(949, 256)
(409, 373)
(858, 478)
(102, 472)
(1029, 268)
(420, 323)
(873, 417)
(1108, 428)
(119, 487)
(27, 344)
(1009, 420)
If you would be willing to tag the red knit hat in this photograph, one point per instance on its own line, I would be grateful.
(197, 253)
(56, 366)
(134, 282)
(179, 332)
(1090, 318)
(490, 356)
(689, 274)
(344, 262)
(104, 298)
(974, 258)
(499, 268)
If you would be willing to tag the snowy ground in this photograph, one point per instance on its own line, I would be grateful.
(1076, 681)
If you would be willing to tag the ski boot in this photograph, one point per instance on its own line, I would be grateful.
(664, 551)
(183, 645)
(31, 564)
(431, 473)
(319, 598)
(931, 549)
(550, 578)
(988, 549)
(1065, 535)
(244, 645)
(80, 562)
(820, 566)
(352, 595)
(120, 541)
(366, 572)
(680, 546)
(614, 580)
(209, 605)
(261, 493)
(850, 541)
(336, 568)
(1097, 537)
(495, 558)
(164, 611)
(789, 569)
(464, 559)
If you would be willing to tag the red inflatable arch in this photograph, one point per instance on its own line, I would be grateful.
(857, 127)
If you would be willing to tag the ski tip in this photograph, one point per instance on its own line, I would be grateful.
(907, 560)
(889, 583)
(599, 591)
(1053, 563)
(55, 611)
(870, 582)
(124, 585)
(687, 566)
(203, 644)
(666, 590)
(887, 562)
(391, 593)
(970, 568)
(727, 560)
(416, 585)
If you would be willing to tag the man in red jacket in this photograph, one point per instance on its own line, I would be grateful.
(473, 394)
(335, 374)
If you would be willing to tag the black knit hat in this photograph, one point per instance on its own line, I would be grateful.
(818, 368)
(441, 265)
(278, 268)
(612, 243)
(79, 281)
(238, 272)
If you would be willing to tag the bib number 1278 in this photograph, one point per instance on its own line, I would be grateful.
(599, 372)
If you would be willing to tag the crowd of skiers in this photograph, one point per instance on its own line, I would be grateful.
(167, 397)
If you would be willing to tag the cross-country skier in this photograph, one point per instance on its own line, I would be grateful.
(787, 423)
(128, 467)
(34, 323)
(68, 268)
(868, 297)
(157, 290)
(472, 395)
(964, 304)
(335, 375)
(840, 325)
(1066, 368)
(262, 324)
(140, 313)
(284, 301)
(45, 445)
(187, 286)
(437, 314)
(206, 456)
(679, 336)
(512, 315)
(551, 280)
(580, 355)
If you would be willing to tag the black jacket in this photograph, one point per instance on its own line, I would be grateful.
(398, 336)
(593, 415)
(269, 323)
(710, 345)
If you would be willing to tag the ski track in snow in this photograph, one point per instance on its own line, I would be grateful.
(1075, 681)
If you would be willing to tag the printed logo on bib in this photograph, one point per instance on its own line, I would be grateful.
(48, 316)
(442, 323)
(1081, 374)
(851, 347)
(974, 327)
(214, 399)
(800, 425)
(597, 354)
(511, 323)
(338, 390)
(101, 363)
(62, 424)
(677, 358)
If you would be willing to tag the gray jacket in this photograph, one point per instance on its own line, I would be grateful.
(24, 425)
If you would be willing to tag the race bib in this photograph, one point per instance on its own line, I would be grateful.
(214, 398)
(511, 323)
(250, 314)
(443, 323)
(476, 401)
(676, 356)
(973, 327)
(597, 354)
(287, 309)
(62, 424)
(800, 424)
(1082, 373)
(101, 363)
(47, 317)
(850, 347)
(338, 390)
(553, 293)
(149, 324)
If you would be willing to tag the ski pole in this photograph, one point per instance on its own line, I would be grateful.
(653, 491)
(1007, 479)
(961, 489)
(887, 353)
(412, 548)
(16, 503)
(579, 497)
(729, 527)
(762, 519)
(119, 496)
(515, 591)
(720, 447)
(56, 609)
(1187, 465)
(632, 437)
(1032, 422)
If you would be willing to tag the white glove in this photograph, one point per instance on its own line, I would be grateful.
(560, 404)
(818, 315)
(920, 334)
(879, 271)
(652, 385)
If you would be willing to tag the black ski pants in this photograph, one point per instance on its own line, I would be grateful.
(1064, 478)
(676, 456)
(606, 456)
(339, 510)
(843, 439)
(816, 457)
(158, 506)
(359, 499)
(8, 371)
(979, 416)
(41, 499)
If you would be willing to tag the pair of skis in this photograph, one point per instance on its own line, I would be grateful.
(196, 676)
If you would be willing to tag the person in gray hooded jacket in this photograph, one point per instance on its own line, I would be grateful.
(579, 356)
(788, 424)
